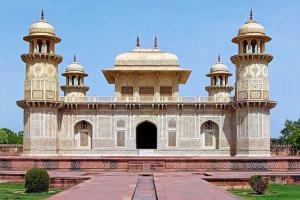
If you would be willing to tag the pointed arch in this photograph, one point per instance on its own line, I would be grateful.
(210, 134)
(254, 46)
(83, 134)
(245, 46)
(146, 135)
(39, 46)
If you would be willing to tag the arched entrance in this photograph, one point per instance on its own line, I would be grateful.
(210, 134)
(83, 134)
(146, 136)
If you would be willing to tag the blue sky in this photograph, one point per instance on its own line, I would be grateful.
(196, 31)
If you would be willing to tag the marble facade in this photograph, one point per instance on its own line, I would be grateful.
(146, 115)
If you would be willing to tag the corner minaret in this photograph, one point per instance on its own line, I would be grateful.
(41, 62)
(252, 102)
(41, 95)
(252, 62)
(219, 86)
(75, 80)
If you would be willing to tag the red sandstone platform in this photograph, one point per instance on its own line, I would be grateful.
(102, 187)
(169, 185)
(136, 163)
(190, 188)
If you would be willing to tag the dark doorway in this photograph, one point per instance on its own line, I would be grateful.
(146, 136)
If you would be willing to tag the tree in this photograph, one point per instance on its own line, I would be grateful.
(7, 136)
(3, 137)
(290, 134)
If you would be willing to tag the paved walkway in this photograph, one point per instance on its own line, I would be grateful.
(168, 185)
(121, 186)
(189, 188)
(101, 187)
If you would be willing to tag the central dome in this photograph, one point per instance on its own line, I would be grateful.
(146, 57)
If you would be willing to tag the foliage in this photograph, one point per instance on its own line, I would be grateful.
(37, 180)
(261, 186)
(7, 136)
(274, 192)
(258, 184)
(290, 134)
(16, 191)
(253, 180)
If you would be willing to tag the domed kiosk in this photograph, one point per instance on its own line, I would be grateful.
(75, 80)
(146, 74)
(219, 86)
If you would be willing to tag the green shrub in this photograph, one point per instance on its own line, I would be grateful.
(37, 180)
(261, 186)
(258, 184)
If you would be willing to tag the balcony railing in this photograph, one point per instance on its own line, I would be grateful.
(146, 99)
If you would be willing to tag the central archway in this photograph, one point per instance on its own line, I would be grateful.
(146, 136)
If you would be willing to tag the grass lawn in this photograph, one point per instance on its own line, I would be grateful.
(274, 192)
(16, 191)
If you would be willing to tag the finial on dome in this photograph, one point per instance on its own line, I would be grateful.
(155, 43)
(74, 58)
(42, 14)
(251, 15)
(137, 42)
(219, 58)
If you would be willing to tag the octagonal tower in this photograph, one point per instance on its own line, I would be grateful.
(41, 95)
(252, 102)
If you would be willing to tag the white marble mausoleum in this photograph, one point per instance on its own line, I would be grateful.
(146, 114)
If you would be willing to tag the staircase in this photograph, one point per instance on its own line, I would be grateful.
(146, 166)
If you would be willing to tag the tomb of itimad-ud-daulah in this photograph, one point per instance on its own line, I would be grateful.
(146, 115)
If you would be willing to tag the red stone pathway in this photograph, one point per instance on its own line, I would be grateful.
(168, 185)
(189, 188)
(101, 187)
(121, 186)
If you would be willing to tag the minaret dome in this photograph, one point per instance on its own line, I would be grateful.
(41, 29)
(75, 75)
(251, 28)
(74, 67)
(219, 86)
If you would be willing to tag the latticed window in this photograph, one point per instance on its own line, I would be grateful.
(210, 133)
(84, 139)
(120, 133)
(208, 125)
(83, 129)
(146, 90)
(127, 90)
(172, 123)
(83, 125)
(166, 90)
(120, 138)
(172, 139)
(209, 139)
(121, 124)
